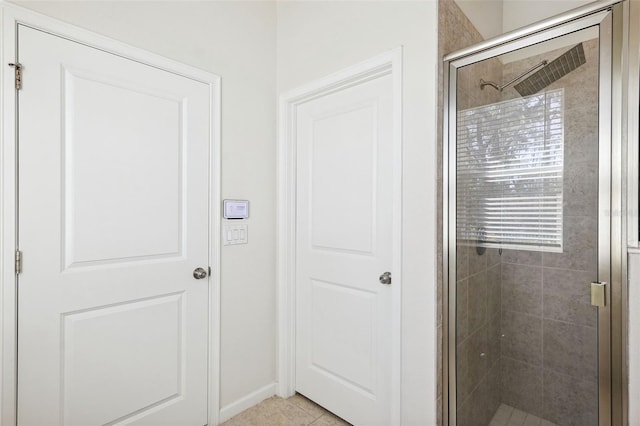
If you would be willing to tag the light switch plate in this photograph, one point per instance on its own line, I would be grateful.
(235, 234)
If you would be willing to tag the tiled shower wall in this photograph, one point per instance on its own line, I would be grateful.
(478, 277)
(549, 343)
(478, 293)
(478, 335)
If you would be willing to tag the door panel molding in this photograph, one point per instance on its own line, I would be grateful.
(389, 63)
(10, 17)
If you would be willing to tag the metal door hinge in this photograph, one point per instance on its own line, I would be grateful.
(18, 74)
(18, 262)
(599, 294)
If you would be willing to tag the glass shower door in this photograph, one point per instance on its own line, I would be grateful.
(528, 226)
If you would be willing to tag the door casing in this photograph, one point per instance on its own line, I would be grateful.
(384, 64)
(10, 16)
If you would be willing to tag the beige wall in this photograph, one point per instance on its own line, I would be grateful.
(235, 40)
(318, 38)
(486, 15)
(520, 13)
(495, 17)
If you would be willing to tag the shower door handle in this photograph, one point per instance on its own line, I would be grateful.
(599, 294)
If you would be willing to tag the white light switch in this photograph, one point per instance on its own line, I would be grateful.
(235, 234)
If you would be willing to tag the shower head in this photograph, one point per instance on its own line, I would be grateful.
(499, 88)
(556, 69)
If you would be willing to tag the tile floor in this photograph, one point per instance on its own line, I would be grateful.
(299, 411)
(509, 416)
(294, 411)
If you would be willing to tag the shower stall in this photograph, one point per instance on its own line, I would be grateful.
(532, 253)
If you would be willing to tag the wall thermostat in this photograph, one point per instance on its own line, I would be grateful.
(235, 209)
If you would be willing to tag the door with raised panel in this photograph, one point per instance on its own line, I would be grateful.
(344, 229)
(113, 221)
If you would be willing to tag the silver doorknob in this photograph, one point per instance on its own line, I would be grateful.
(385, 278)
(199, 273)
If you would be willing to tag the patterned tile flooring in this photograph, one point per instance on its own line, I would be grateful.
(294, 411)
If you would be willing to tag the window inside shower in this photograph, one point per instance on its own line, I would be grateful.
(510, 169)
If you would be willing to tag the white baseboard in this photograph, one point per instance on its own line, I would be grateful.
(248, 401)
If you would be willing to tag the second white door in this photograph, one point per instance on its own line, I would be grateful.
(344, 311)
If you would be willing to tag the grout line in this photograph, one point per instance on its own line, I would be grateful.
(489, 370)
(526, 264)
(315, 421)
(581, 378)
(569, 270)
(484, 271)
(542, 317)
(523, 313)
(324, 411)
(570, 323)
(522, 362)
(482, 325)
(542, 265)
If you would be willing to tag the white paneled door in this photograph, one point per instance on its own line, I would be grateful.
(344, 311)
(113, 221)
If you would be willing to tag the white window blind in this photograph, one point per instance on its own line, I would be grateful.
(509, 173)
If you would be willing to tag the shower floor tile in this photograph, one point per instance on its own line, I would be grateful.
(509, 416)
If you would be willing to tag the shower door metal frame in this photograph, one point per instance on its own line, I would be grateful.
(608, 16)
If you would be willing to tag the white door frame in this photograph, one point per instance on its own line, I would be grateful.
(10, 16)
(389, 63)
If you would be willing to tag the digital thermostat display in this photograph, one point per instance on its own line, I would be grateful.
(235, 209)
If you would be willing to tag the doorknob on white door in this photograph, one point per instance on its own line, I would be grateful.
(199, 273)
(385, 278)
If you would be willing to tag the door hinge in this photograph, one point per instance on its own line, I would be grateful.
(18, 74)
(18, 262)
